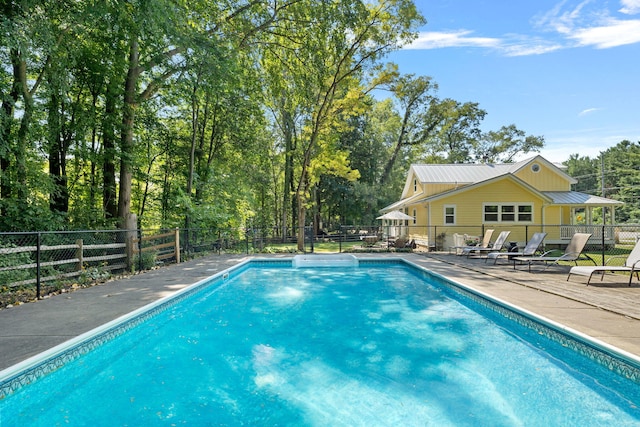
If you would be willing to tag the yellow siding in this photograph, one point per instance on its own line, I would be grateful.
(412, 180)
(469, 207)
(545, 179)
(433, 189)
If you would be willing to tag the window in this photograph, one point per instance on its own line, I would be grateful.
(535, 167)
(450, 214)
(525, 213)
(490, 213)
(415, 216)
(508, 212)
(415, 185)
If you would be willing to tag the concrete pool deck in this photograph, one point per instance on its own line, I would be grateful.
(608, 311)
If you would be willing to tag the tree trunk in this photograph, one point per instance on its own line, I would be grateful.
(302, 212)
(5, 133)
(194, 138)
(59, 194)
(20, 75)
(126, 144)
(109, 204)
(287, 200)
(396, 150)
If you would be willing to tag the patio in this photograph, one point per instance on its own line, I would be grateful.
(611, 294)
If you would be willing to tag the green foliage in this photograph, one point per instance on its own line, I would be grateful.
(503, 145)
(212, 115)
(13, 260)
(615, 174)
(146, 262)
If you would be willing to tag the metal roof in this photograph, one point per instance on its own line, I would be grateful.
(575, 198)
(459, 173)
(472, 173)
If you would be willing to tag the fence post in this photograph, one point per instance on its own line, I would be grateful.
(435, 239)
(131, 226)
(38, 266)
(312, 236)
(140, 263)
(177, 247)
(603, 249)
(79, 254)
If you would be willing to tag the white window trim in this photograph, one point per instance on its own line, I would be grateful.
(444, 214)
(415, 216)
(516, 205)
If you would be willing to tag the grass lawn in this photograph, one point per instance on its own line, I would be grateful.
(318, 247)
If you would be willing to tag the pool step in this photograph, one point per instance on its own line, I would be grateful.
(324, 260)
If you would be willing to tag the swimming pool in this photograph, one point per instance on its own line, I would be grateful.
(385, 343)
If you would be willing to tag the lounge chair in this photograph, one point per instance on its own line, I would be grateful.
(573, 252)
(496, 247)
(631, 265)
(459, 243)
(486, 242)
(529, 250)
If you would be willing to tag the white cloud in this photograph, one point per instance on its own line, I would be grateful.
(560, 21)
(588, 111)
(528, 47)
(593, 27)
(630, 7)
(611, 34)
(511, 45)
(459, 38)
(580, 25)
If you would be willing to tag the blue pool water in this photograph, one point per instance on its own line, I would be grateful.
(374, 346)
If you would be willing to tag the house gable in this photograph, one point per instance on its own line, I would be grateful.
(412, 185)
(543, 175)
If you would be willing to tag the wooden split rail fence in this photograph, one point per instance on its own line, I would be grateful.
(121, 259)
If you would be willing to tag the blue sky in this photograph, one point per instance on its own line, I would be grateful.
(566, 70)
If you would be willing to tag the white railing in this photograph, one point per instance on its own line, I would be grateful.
(596, 231)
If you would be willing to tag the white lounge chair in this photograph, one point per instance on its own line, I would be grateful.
(530, 249)
(573, 252)
(631, 265)
(496, 247)
(459, 243)
(486, 241)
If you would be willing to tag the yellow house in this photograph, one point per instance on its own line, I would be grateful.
(524, 197)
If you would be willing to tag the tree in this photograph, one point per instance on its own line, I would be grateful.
(458, 132)
(503, 145)
(585, 170)
(614, 174)
(417, 101)
(334, 48)
(155, 55)
(28, 42)
(620, 177)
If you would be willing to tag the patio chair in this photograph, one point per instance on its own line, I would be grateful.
(631, 265)
(459, 243)
(529, 250)
(486, 241)
(496, 247)
(573, 253)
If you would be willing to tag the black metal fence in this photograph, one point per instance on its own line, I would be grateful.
(55, 259)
